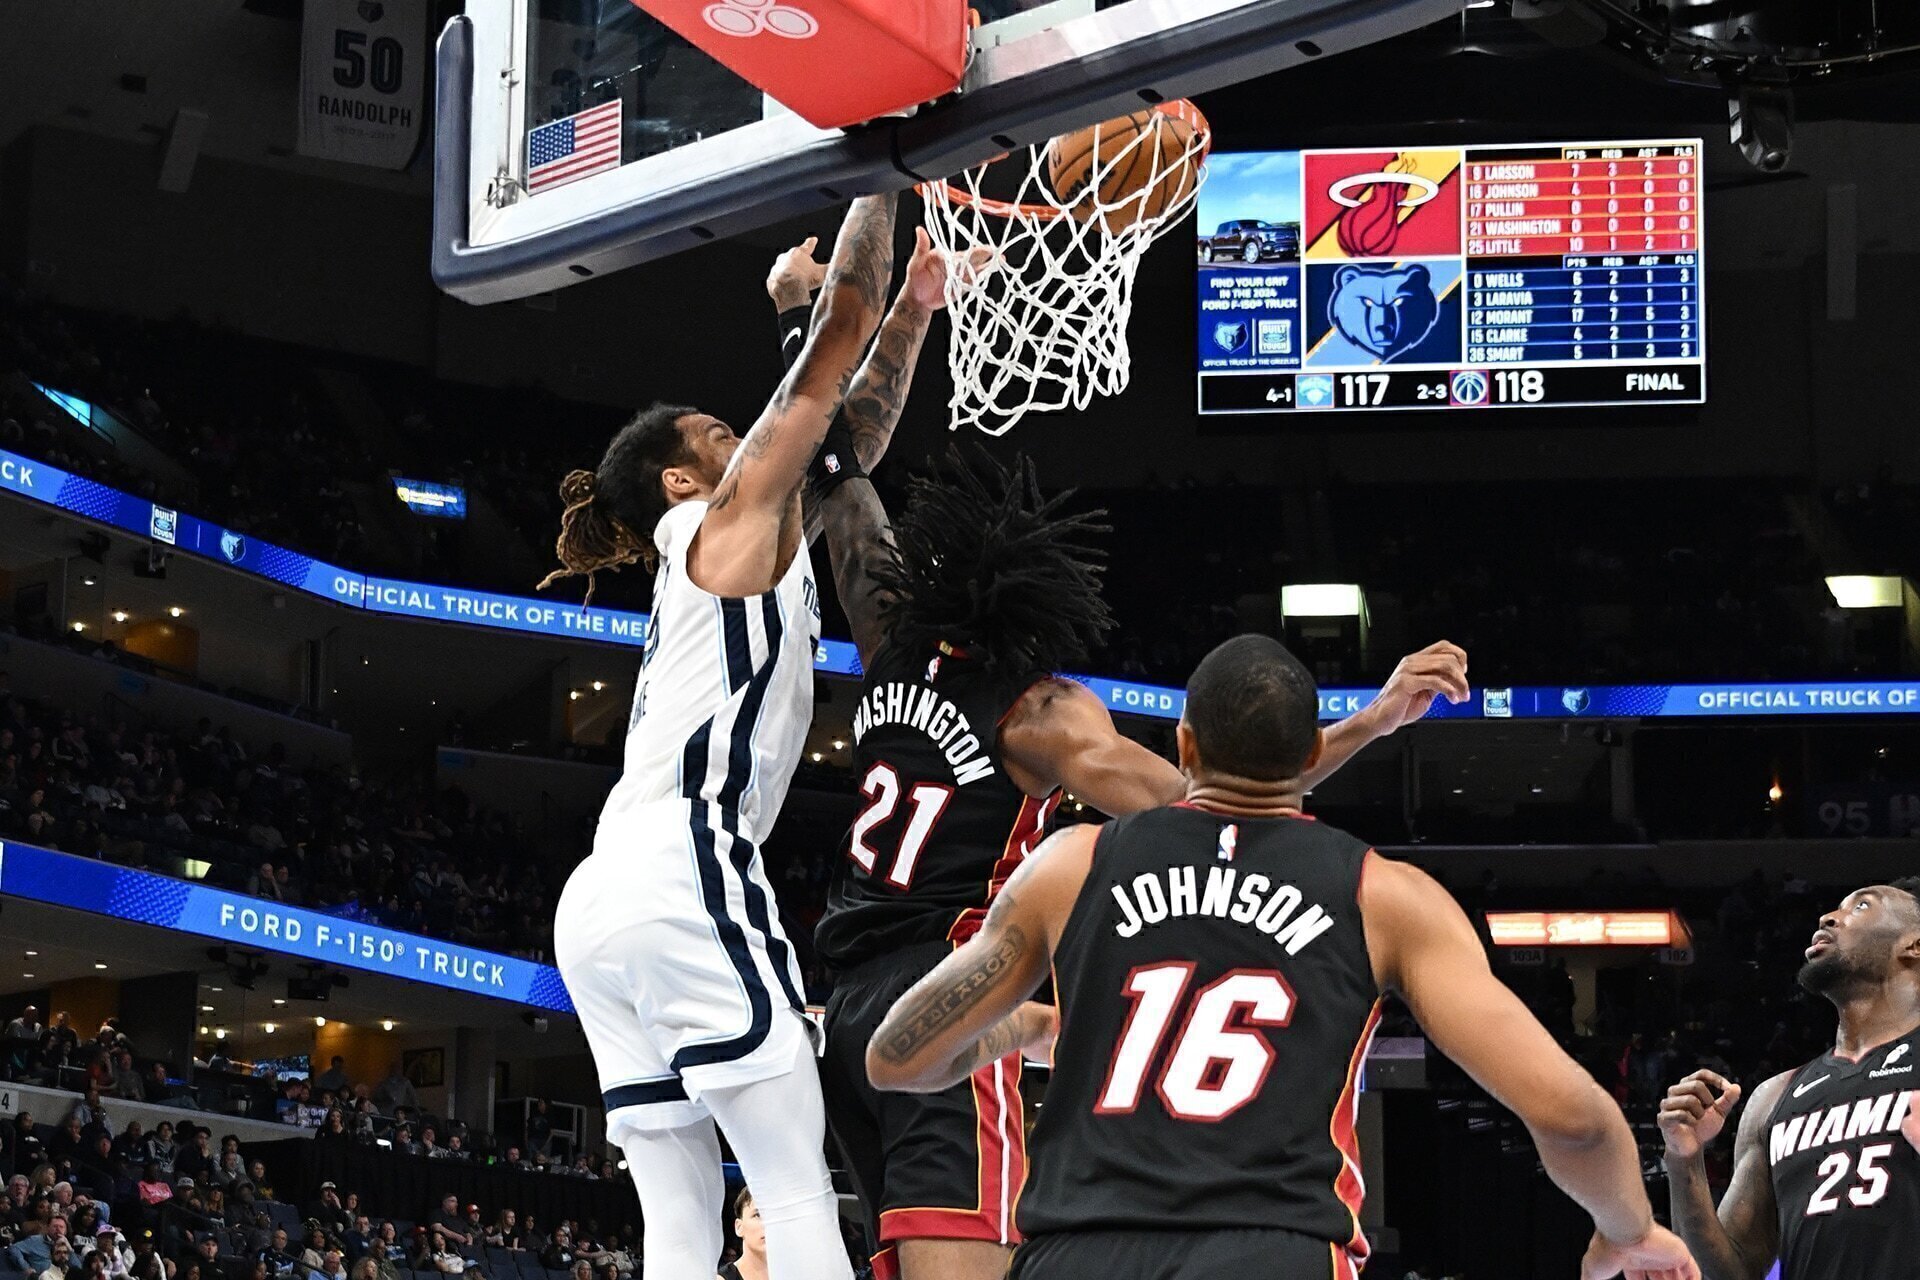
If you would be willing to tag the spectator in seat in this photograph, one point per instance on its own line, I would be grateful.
(131, 1144)
(31, 1253)
(333, 1129)
(59, 1264)
(505, 1231)
(154, 1087)
(751, 1261)
(514, 1160)
(28, 1150)
(257, 1173)
(278, 1256)
(161, 1148)
(206, 1252)
(195, 1160)
(126, 1081)
(93, 1170)
(367, 1268)
(331, 1267)
(313, 1256)
(22, 1041)
(403, 1141)
(582, 1270)
(359, 1238)
(232, 1170)
(255, 1237)
(428, 1147)
(108, 1243)
(70, 1140)
(396, 1091)
(257, 1269)
(147, 1262)
(558, 1255)
(328, 1211)
(153, 1189)
(450, 1222)
(334, 1078)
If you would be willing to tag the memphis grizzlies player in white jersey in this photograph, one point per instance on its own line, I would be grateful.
(668, 936)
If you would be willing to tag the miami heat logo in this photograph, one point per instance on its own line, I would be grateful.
(1369, 224)
(1381, 204)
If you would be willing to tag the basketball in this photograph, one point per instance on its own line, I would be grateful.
(1141, 160)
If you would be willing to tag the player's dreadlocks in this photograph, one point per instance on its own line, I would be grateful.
(982, 559)
(610, 513)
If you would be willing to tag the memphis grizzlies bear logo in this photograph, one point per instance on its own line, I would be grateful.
(1230, 335)
(1386, 311)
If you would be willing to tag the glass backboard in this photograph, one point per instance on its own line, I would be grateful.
(577, 137)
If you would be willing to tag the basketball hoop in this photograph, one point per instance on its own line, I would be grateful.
(1043, 326)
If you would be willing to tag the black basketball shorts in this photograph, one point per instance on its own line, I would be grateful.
(1181, 1255)
(928, 1166)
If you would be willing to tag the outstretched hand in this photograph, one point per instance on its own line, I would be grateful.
(1658, 1255)
(795, 276)
(1437, 670)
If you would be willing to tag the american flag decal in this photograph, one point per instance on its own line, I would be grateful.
(577, 147)
(1229, 837)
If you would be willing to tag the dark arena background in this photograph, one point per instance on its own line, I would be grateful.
(294, 760)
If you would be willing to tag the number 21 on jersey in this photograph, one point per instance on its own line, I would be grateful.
(926, 802)
(1220, 1058)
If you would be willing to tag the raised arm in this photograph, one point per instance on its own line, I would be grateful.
(771, 462)
(1439, 670)
(974, 1007)
(1739, 1240)
(1059, 734)
(1424, 948)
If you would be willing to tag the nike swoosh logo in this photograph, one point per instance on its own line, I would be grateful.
(792, 334)
(1811, 1084)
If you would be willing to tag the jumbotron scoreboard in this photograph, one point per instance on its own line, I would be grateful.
(1465, 277)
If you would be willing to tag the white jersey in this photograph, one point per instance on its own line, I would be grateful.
(725, 696)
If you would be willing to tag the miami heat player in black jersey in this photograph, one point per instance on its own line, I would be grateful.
(1230, 954)
(1846, 1180)
(941, 825)
(1218, 965)
(940, 828)
(1827, 1166)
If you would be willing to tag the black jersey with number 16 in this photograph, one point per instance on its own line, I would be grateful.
(1845, 1179)
(1216, 1002)
(940, 825)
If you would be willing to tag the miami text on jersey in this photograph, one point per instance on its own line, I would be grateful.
(1843, 1123)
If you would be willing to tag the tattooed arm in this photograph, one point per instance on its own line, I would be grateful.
(973, 1008)
(771, 462)
(859, 535)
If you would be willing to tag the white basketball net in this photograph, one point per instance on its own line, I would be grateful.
(1044, 325)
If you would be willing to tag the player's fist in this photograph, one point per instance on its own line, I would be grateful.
(1911, 1126)
(795, 276)
(1658, 1255)
(1439, 670)
(1695, 1111)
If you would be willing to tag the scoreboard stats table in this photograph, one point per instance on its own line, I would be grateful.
(1452, 278)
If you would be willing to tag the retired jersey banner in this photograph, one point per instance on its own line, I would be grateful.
(363, 76)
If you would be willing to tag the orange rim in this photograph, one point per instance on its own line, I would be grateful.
(1178, 109)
